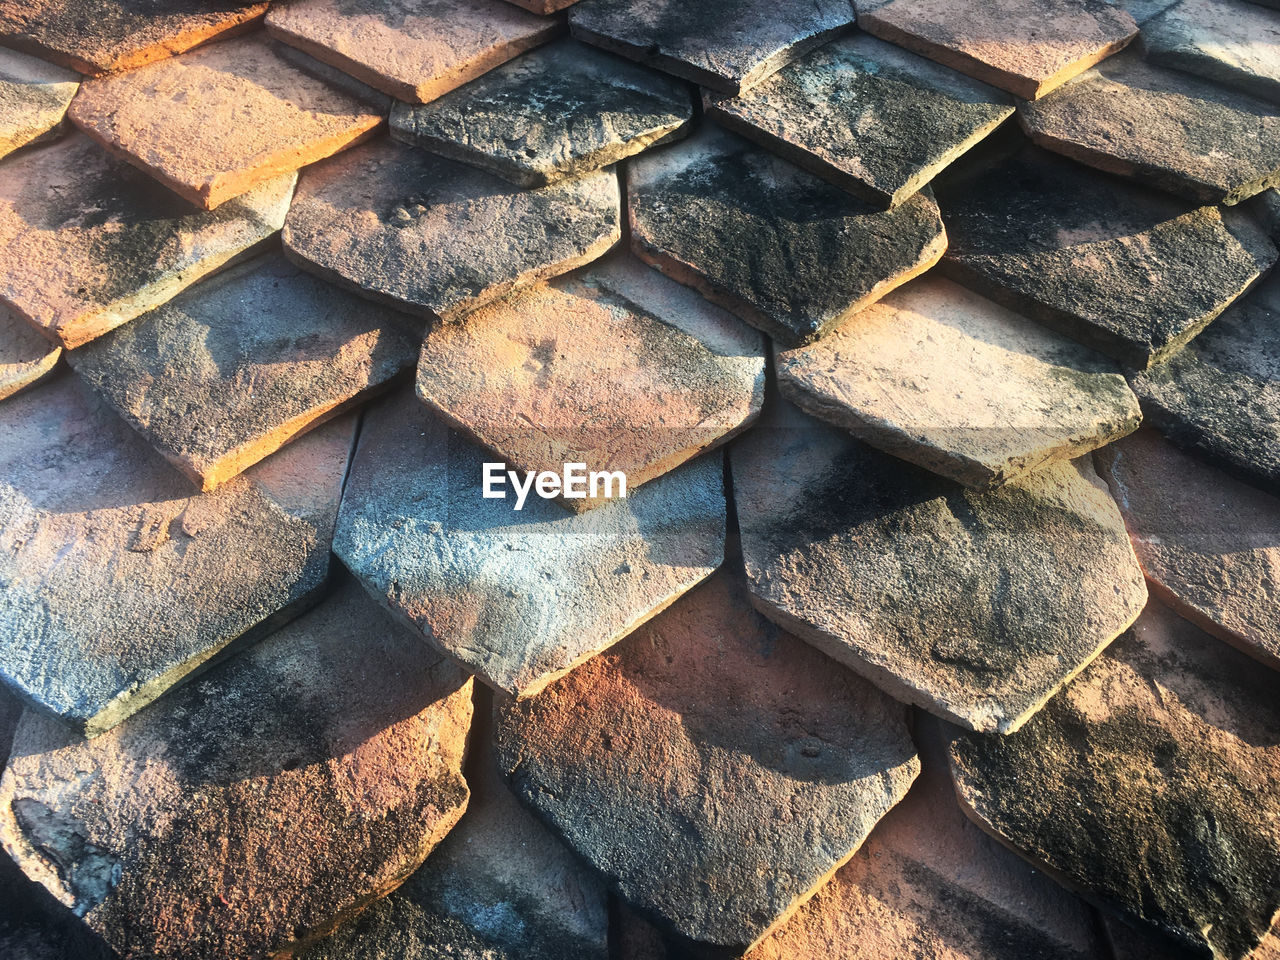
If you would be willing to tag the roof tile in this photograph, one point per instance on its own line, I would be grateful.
(25, 356)
(33, 99)
(1228, 41)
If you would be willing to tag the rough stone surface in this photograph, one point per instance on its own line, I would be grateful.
(714, 768)
(786, 251)
(937, 375)
(558, 112)
(250, 811)
(25, 357)
(1122, 269)
(415, 50)
(616, 367)
(500, 887)
(544, 7)
(87, 242)
(33, 99)
(434, 236)
(867, 116)
(1027, 47)
(1162, 128)
(229, 371)
(1221, 395)
(185, 122)
(1152, 783)
(1128, 943)
(1226, 41)
(118, 579)
(722, 46)
(101, 36)
(518, 597)
(928, 883)
(1210, 545)
(974, 606)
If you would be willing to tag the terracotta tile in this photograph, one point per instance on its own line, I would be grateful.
(715, 769)
(120, 580)
(1226, 41)
(33, 99)
(435, 237)
(558, 112)
(787, 252)
(976, 607)
(1027, 47)
(520, 597)
(26, 358)
(414, 51)
(249, 812)
(218, 122)
(87, 242)
(231, 370)
(942, 377)
(865, 115)
(1152, 783)
(1162, 128)
(615, 366)
(722, 46)
(1122, 269)
(103, 36)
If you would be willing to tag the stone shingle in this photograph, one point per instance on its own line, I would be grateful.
(558, 112)
(1227, 41)
(33, 99)
(865, 115)
(617, 367)
(1162, 128)
(183, 121)
(25, 356)
(232, 369)
(1152, 783)
(103, 36)
(1125, 270)
(722, 46)
(715, 769)
(1027, 47)
(414, 51)
(784, 250)
(517, 596)
(975, 606)
(440, 238)
(118, 579)
(250, 811)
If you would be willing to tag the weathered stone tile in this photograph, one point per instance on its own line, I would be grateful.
(117, 580)
(723, 46)
(1210, 545)
(87, 242)
(784, 250)
(1152, 783)
(249, 812)
(414, 51)
(500, 887)
(1265, 208)
(867, 116)
(555, 113)
(1124, 270)
(33, 99)
(440, 238)
(616, 367)
(1128, 943)
(26, 358)
(715, 769)
(102, 36)
(1162, 128)
(1027, 47)
(929, 883)
(1227, 41)
(234, 368)
(1221, 395)
(942, 377)
(519, 597)
(975, 606)
(184, 121)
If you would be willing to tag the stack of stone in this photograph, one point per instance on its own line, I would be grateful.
(868, 305)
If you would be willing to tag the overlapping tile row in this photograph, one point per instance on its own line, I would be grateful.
(696, 691)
